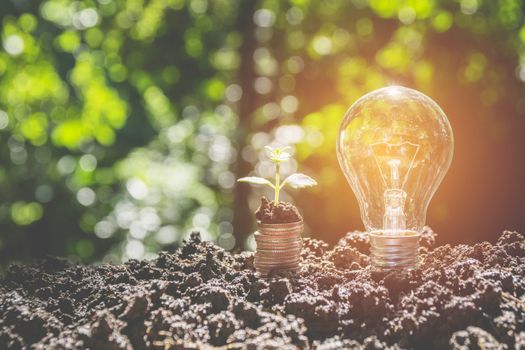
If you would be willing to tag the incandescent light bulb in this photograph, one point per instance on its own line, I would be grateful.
(395, 145)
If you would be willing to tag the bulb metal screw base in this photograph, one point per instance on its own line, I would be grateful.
(278, 247)
(392, 252)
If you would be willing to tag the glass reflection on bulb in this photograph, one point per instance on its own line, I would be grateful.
(395, 145)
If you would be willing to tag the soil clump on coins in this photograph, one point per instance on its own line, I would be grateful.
(282, 213)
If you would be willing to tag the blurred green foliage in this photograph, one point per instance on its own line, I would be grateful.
(124, 124)
(116, 140)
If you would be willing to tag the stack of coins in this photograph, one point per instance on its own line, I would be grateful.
(278, 247)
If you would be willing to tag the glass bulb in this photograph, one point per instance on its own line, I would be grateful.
(395, 145)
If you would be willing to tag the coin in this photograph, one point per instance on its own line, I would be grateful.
(266, 239)
(278, 245)
(278, 248)
(280, 234)
(273, 263)
(275, 241)
(276, 261)
(276, 256)
(290, 237)
(277, 238)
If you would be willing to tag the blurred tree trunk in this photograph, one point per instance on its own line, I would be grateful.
(243, 218)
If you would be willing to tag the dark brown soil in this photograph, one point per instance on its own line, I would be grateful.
(282, 213)
(463, 297)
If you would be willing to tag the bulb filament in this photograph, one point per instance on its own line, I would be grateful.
(392, 157)
(394, 172)
(394, 219)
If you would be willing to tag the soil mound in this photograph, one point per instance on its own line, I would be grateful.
(462, 297)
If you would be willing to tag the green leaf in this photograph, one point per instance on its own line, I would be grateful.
(299, 181)
(256, 181)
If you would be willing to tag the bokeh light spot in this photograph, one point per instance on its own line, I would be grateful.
(44, 193)
(14, 45)
(86, 196)
(167, 235)
(226, 241)
(24, 213)
(88, 162)
(289, 104)
(322, 45)
(263, 85)
(135, 249)
(137, 188)
(4, 120)
(264, 18)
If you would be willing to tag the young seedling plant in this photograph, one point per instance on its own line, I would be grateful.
(277, 156)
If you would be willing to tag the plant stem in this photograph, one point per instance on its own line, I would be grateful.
(277, 182)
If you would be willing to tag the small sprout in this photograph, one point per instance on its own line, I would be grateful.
(277, 156)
